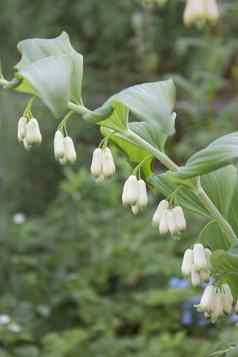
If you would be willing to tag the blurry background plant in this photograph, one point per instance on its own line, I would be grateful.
(75, 280)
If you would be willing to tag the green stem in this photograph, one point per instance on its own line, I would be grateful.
(168, 163)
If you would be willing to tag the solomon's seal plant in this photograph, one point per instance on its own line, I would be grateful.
(139, 121)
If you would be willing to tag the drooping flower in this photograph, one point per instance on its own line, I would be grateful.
(58, 145)
(33, 134)
(69, 150)
(227, 298)
(207, 300)
(162, 207)
(130, 192)
(200, 11)
(200, 261)
(187, 262)
(142, 199)
(212, 10)
(108, 165)
(96, 164)
(21, 128)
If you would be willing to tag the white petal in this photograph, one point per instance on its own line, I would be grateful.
(162, 206)
(171, 222)
(206, 303)
(212, 10)
(108, 166)
(200, 260)
(163, 226)
(135, 209)
(143, 196)
(58, 145)
(217, 306)
(96, 165)
(195, 277)
(130, 191)
(33, 134)
(227, 298)
(179, 218)
(69, 150)
(187, 262)
(21, 129)
(195, 11)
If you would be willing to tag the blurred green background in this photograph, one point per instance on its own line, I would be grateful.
(80, 276)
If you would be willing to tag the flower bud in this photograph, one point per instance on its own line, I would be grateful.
(206, 303)
(171, 222)
(195, 277)
(108, 166)
(69, 150)
(200, 261)
(130, 192)
(179, 218)
(143, 196)
(163, 226)
(162, 207)
(227, 298)
(33, 134)
(96, 165)
(212, 10)
(21, 128)
(187, 262)
(58, 145)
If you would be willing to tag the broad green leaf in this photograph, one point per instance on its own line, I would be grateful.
(118, 120)
(233, 216)
(213, 237)
(184, 195)
(220, 153)
(225, 268)
(152, 103)
(133, 151)
(34, 52)
(220, 186)
(50, 78)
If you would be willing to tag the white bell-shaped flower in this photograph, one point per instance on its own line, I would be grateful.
(163, 226)
(172, 226)
(69, 150)
(162, 207)
(195, 12)
(179, 219)
(96, 165)
(187, 262)
(21, 129)
(200, 261)
(217, 308)
(195, 277)
(212, 10)
(58, 145)
(130, 192)
(227, 298)
(207, 300)
(33, 134)
(143, 196)
(108, 165)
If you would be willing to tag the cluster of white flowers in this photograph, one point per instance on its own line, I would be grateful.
(102, 163)
(28, 132)
(134, 194)
(196, 263)
(64, 149)
(169, 220)
(200, 11)
(216, 302)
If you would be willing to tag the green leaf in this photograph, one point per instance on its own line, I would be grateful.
(225, 267)
(233, 217)
(220, 153)
(152, 103)
(220, 186)
(133, 151)
(50, 77)
(118, 120)
(213, 238)
(34, 51)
